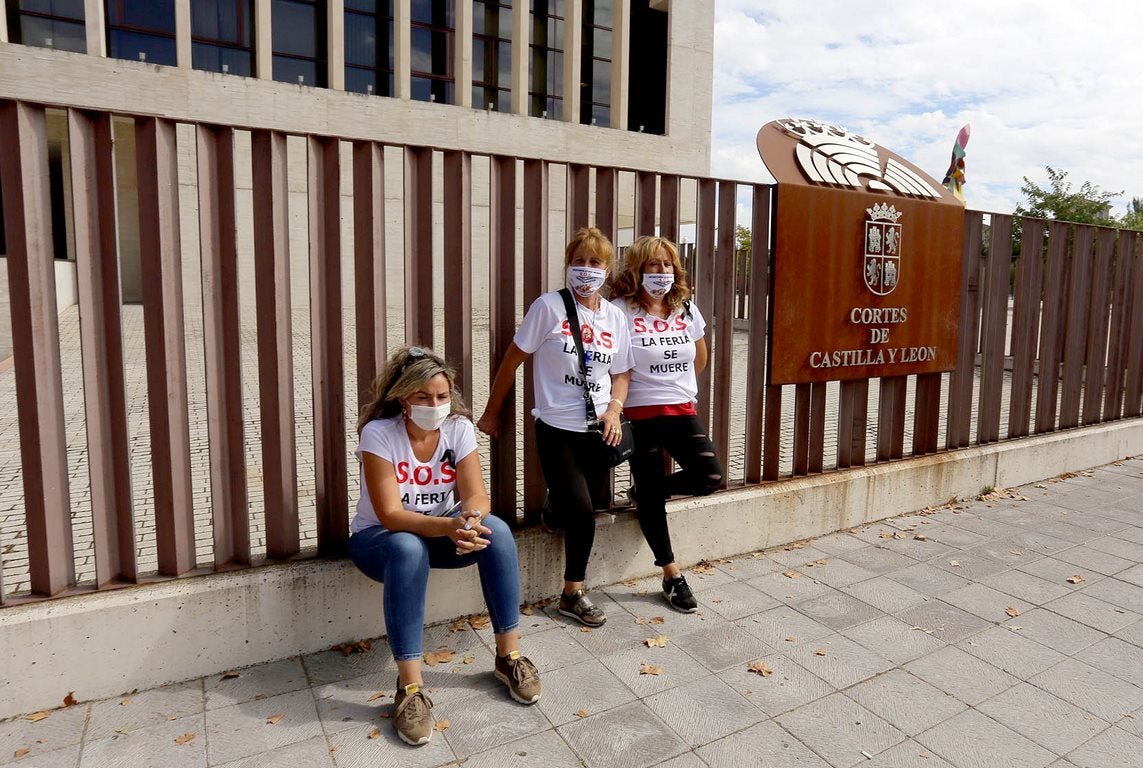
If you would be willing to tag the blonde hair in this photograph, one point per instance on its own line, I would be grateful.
(593, 242)
(629, 281)
(406, 372)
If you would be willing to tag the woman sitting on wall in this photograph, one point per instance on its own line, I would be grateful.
(423, 505)
(571, 455)
(668, 345)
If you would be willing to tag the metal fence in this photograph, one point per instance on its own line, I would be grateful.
(1049, 339)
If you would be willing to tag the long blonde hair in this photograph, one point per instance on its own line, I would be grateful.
(629, 281)
(405, 373)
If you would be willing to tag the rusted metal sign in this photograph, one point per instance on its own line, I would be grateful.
(867, 253)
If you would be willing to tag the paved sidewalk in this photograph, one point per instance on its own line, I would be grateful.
(1000, 632)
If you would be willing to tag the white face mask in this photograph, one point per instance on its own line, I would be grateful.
(658, 284)
(429, 417)
(585, 281)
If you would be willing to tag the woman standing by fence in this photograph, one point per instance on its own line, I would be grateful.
(669, 349)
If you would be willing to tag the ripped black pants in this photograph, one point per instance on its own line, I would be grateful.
(684, 438)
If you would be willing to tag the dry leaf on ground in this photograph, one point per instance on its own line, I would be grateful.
(640, 620)
(1016, 552)
(374, 732)
(1075, 579)
(791, 574)
(36, 717)
(659, 641)
(230, 675)
(186, 738)
(656, 620)
(920, 537)
(581, 713)
(703, 568)
(819, 562)
(442, 725)
(468, 659)
(650, 669)
(954, 563)
(124, 702)
(439, 656)
(527, 610)
(460, 625)
(376, 696)
(275, 719)
(479, 622)
(820, 652)
(69, 700)
(585, 629)
(21, 752)
(1012, 611)
(761, 668)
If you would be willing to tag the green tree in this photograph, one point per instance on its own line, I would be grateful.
(743, 238)
(1088, 205)
(1133, 219)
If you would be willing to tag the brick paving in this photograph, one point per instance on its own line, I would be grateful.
(1002, 631)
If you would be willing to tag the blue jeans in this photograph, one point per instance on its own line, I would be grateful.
(401, 560)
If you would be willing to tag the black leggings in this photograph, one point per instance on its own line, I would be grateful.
(687, 442)
(575, 473)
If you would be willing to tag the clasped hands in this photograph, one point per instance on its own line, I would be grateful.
(472, 539)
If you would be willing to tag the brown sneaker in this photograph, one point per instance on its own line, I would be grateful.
(413, 716)
(520, 675)
(578, 606)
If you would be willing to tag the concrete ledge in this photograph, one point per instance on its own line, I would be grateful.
(101, 645)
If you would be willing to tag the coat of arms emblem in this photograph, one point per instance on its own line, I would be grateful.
(881, 265)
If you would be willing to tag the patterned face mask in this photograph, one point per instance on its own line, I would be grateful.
(585, 281)
(658, 284)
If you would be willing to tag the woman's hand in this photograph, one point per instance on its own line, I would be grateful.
(489, 422)
(472, 539)
(609, 423)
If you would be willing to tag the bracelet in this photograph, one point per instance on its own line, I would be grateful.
(616, 400)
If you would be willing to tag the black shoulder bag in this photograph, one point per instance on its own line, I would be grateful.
(616, 454)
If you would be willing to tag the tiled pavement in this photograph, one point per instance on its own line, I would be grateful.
(1002, 632)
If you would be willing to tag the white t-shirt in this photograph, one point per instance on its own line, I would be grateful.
(429, 486)
(664, 355)
(546, 335)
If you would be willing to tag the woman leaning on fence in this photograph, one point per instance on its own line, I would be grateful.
(669, 348)
(423, 505)
(572, 459)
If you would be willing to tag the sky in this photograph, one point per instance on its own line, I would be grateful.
(1056, 83)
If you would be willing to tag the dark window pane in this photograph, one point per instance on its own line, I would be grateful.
(504, 72)
(369, 6)
(230, 21)
(154, 49)
(48, 33)
(597, 12)
(478, 54)
(301, 71)
(68, 9)
(422, 50)
(155, 15)
(478, 18)
(295, 29)
(602, 43)
(601, 114)
(216, 58)
(360, 80)
(361, 40)
(435, 12)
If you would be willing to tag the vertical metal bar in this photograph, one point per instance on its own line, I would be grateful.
(801, 463)
(960, 383)
(1051, 324)
(35, 346)
(1133, 383)
(458, 265)
(705, 224)
(852, 411)
(772, 433)
(646, 182)
(891, 418)
(993, 326)
(756, 344)
(502, 268)
(218, 245)
(535, 225)
(1075, 333)
(419, 246)
(331, 490)
(1025, 324)
(275, 343)
(369, 263)
(606, 210)
(1120, 322)
(816, 446)
(101, 333)
(160, 254)
(927, 413)
(578, 196)
(1098, 324)
(722, 353)
(669, 207)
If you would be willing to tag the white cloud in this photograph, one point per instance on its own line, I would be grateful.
(1042, 84)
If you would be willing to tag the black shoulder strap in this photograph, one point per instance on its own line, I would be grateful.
(573, 326)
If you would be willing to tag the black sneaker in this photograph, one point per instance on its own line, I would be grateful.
(578, 606)
(678, 595)
(549, 520)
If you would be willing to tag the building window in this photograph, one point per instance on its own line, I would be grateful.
(222, 36)
(647, 72)
(432, 29)
(48, 24)
(595, 63)
(546, 92)
(492, 55)
(141, 29)
(369, 46)
(299, 32)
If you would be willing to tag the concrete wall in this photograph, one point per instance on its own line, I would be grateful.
(149, 635)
